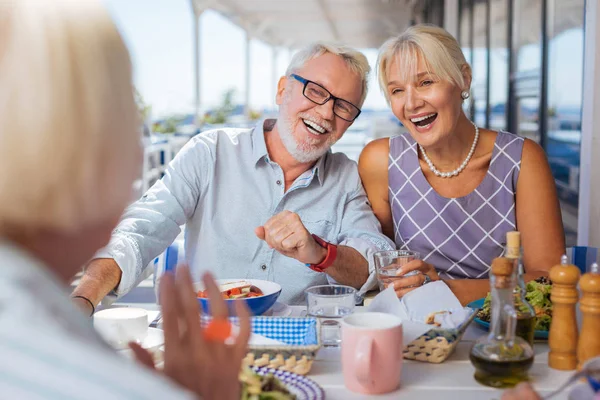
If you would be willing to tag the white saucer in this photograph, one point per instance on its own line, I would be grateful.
(153, 341)
(278, 310)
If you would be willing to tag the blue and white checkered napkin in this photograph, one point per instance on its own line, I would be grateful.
(291, 331)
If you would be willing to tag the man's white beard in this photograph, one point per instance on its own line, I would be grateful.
(305, 151)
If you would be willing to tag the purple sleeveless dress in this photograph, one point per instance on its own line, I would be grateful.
(458, 236)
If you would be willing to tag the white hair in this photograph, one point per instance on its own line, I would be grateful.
(440, 51)
(354, 59)
(69, 143)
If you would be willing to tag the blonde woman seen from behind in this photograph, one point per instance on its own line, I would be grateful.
(69, 152)
(447, 188)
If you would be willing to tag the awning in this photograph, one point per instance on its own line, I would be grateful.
(295, 23)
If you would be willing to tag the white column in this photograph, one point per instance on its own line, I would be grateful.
(451, 17)
(275, 75)
(197, 75)
(247, 66)
(589, 179)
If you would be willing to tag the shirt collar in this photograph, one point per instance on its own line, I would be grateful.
(259, 150)
(259, 146)
(319, 168)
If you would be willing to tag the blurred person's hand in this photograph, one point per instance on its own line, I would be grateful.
(523, 391)
(209, 368)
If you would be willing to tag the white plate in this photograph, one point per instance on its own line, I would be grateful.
(154, 340)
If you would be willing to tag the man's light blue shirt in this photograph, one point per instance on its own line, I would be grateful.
(222, 185)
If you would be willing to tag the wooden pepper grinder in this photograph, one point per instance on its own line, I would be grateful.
(589, 341)
(563, 329)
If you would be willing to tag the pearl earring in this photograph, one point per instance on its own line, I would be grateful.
(465, 95)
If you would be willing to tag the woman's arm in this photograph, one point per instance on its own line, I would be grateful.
(466, 290)
(538, 211)
(373, 170)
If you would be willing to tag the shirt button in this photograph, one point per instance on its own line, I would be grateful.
(278, 182)
(263, 267)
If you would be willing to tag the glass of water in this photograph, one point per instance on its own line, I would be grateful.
(330, 303)
(388, 262)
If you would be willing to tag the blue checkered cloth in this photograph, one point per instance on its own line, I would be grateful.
(292, 331)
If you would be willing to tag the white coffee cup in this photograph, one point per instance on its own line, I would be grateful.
(119, 326)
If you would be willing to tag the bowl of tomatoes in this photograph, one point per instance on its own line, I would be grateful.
(258, 295)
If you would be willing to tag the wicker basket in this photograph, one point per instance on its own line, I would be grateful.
(298, 356)
(436, 345)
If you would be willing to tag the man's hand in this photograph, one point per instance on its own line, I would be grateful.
(286, 233)
(84, 305)
(101, 276)
(209, 368)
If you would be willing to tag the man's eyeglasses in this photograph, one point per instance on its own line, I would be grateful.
(319, 95)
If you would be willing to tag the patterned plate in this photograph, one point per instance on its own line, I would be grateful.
(303, 388)
(486, 325)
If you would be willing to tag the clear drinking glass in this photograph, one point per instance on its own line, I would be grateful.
(388, 262)
(330, 303)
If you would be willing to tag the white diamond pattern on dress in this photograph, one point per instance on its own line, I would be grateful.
(411, 194)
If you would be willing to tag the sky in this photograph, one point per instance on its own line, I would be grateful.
(159, 35)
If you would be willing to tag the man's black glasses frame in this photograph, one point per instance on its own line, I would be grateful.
(319, 95)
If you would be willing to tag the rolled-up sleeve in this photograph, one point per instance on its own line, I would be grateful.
(362, 231)
(152, 223)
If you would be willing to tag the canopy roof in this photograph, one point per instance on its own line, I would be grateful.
(294, 23)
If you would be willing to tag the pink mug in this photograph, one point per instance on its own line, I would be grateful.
(372, 352)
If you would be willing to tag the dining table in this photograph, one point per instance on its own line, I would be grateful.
(451, 379)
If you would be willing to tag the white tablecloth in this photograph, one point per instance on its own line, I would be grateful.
(452, 379)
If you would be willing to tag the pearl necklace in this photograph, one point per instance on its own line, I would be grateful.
(462, 166)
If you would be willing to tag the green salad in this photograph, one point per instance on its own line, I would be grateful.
(538, 295)
(257, 387)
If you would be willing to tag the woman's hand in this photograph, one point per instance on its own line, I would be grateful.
(209, 368)
(411, 282)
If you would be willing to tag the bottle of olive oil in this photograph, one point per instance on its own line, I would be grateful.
(502, 359)
(526, 316)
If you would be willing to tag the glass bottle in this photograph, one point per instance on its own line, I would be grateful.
(502, 359)
(526, 316)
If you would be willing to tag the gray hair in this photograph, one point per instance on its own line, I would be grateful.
(439, 49)
(69, 142)
(354, 59)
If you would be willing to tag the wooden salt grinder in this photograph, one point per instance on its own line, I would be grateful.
(589, 340)
(563, 329)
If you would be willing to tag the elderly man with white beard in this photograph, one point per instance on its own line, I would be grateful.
(272, 202)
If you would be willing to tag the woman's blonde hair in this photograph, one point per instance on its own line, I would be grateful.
(354, 59)
(440, 51)
(69, 142)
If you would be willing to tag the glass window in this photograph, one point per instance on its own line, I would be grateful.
(480, 62)
(565, 81)
(465, 38)
(433, 12)
(498, 64)
(527, 43)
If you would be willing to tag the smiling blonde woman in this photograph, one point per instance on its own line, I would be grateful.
(448, 188)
